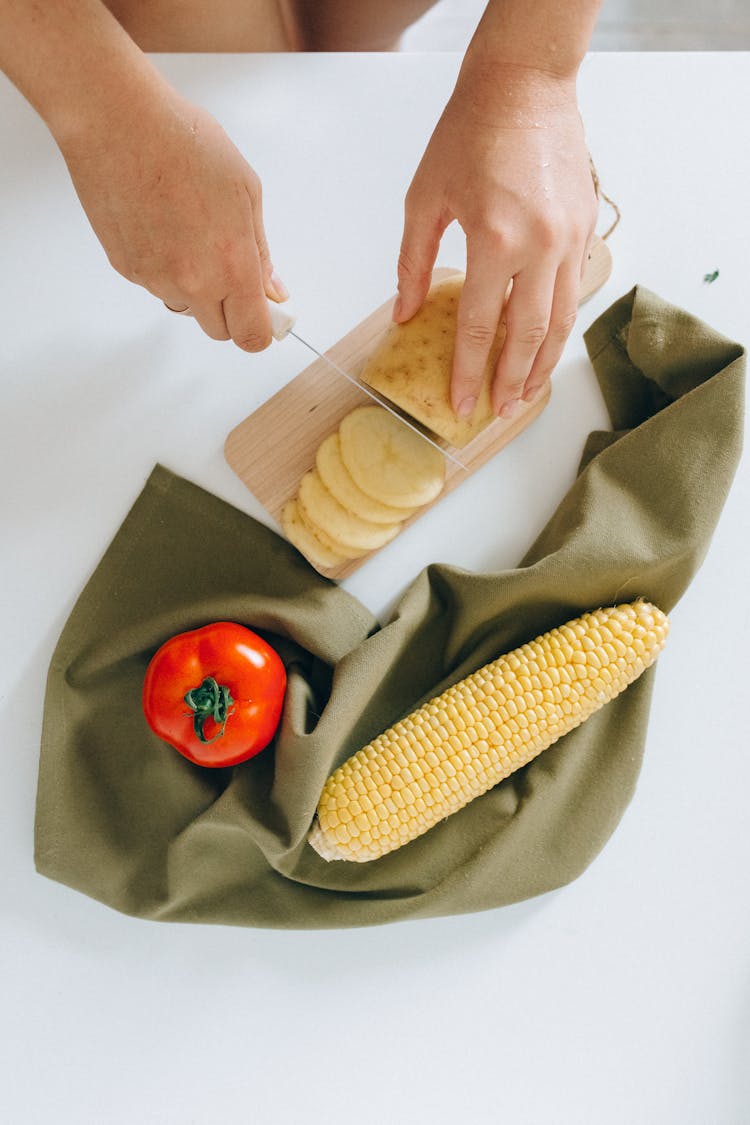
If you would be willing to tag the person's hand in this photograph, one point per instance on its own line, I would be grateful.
(509, 162)
(178, 210)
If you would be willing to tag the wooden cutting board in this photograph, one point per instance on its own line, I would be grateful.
(276, 445)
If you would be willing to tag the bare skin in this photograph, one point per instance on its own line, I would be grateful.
(518, 182)
(267, 25)
(507, 160)
(351, 25)
(197, 25)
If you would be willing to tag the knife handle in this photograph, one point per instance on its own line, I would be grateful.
(283, 318)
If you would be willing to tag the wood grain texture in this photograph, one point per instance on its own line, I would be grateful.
(272, 448)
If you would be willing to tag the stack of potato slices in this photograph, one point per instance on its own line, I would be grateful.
(370, 475)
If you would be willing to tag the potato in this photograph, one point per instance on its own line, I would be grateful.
(389, 461)
(370, 475)
(412, 366)
(320, 509)
(327, 540)
(339, 482)
(311, 546)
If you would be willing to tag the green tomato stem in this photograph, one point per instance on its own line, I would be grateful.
(209, 701)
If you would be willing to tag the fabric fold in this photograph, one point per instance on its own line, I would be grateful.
(123, 818)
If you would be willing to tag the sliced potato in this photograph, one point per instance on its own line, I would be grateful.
(388, 461)
(340, 483)
(300, 535)
(331, 544)
(323, 510)
(412, 366)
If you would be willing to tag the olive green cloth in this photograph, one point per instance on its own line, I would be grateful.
(125, 819)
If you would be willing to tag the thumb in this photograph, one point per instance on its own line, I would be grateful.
(419, 248)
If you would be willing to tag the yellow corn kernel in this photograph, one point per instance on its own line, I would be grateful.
(581, 666)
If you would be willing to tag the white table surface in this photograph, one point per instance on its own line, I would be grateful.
(622, 998)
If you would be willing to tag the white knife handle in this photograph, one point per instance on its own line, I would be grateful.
(283, 318)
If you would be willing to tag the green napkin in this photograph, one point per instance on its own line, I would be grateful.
(124, 819)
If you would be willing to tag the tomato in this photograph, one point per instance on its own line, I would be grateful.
(215, 694)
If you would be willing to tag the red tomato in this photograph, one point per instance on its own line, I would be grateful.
(215, 694)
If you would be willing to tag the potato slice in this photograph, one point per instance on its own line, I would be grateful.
(412, 366)
(330, 543)
(322, 510)
(388, 461)
(340, 483)
(299, 534)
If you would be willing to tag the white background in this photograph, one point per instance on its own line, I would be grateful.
(622, 998)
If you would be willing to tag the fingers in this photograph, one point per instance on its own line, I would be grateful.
(423, 229)
(245, 307)
(479, 311)
(540, 314)
(528, 319)
(207, 313)
(211, 319)
(235, 307)
(562, 318)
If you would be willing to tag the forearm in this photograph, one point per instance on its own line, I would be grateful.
(74, 63)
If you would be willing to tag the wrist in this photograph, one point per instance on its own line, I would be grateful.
(530, 52)
(523, 95)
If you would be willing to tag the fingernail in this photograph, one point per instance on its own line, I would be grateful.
(281, 290)
(398, 307)
(510, 409)
(466, 406)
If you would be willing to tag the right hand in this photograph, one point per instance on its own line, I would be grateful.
(508, 160)
(178, 210)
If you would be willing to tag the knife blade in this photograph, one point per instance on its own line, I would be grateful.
(283, 320)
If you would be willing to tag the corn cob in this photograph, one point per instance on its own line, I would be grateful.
(462, 743)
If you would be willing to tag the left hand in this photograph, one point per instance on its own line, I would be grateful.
(508, 161)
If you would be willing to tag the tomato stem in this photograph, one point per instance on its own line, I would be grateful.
(209, 701)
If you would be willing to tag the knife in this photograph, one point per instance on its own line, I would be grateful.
(283, 320)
